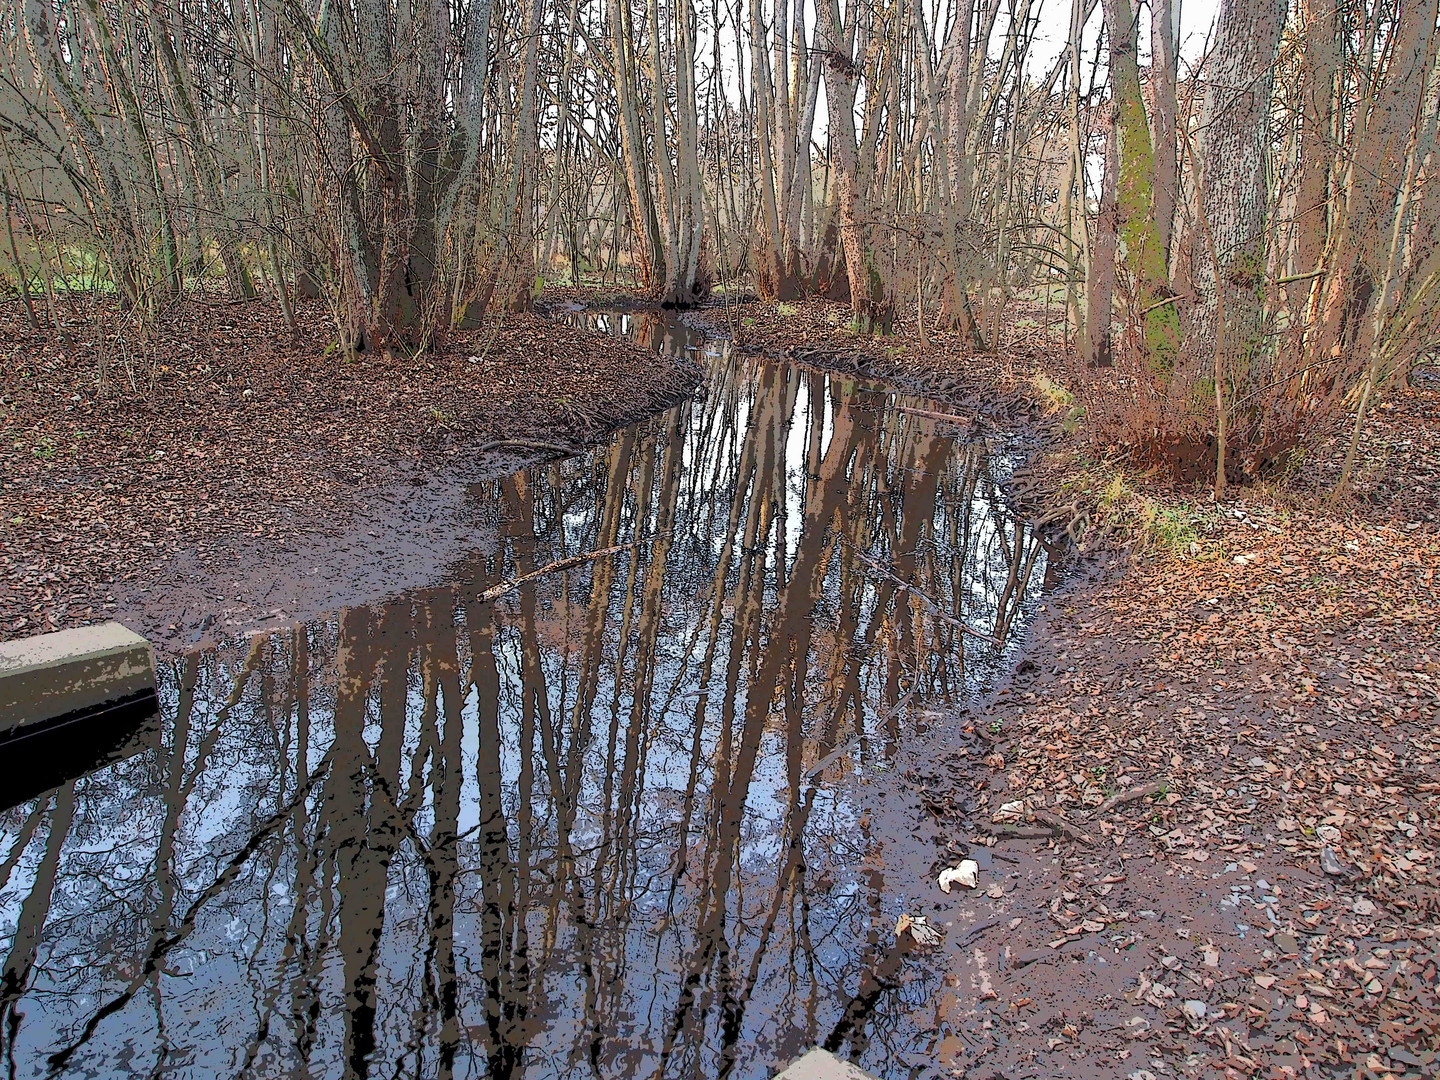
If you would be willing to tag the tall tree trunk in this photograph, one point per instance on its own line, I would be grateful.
(1236, 125)
(1317, 149)
(1164, 19)
(1072, 194)
(1151, 325)
(643, 217)
(1100, 283)
(1355, 253)
(869, 302)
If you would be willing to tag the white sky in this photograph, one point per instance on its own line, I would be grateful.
(1196, 19)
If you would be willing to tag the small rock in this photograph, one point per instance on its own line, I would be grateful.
(1170, 963)
(1364, 906)
(1286, 943)
(1194, 1010)
(1330, 862)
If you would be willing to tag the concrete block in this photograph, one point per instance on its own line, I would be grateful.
(53, 675)
(820, 1064)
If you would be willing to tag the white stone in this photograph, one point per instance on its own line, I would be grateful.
(820, 1064)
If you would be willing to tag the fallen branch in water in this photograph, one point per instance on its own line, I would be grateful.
(931, 414)
(497, 591)
(905, 586)
(526, 444)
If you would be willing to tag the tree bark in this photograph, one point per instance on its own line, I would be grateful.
(1235, 126)
(1151, 326)
(1164, 19)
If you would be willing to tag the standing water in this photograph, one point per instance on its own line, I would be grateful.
(613, 821)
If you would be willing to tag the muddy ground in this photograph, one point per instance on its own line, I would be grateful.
(1211, 795)
(224, 475)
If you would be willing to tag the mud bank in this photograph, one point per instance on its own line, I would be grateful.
(238, 475)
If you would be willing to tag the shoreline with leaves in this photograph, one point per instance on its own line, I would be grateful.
(1231, 689)
(145, 481)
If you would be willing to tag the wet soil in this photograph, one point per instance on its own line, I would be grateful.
(221, 470)
(1214, 784)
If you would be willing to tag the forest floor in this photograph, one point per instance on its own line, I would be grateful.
(1209, 796)
(227, 472)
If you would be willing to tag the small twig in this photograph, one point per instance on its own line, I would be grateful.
(933, 415)
(1047, 818)
(1017, 832)
(830, 758)
(882, 716)
(905, 586)
(497, 591)
(974, 932)
(1123, 797)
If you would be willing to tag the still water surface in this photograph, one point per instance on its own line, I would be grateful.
(612, 823)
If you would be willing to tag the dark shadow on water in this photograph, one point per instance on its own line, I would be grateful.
(612, 823)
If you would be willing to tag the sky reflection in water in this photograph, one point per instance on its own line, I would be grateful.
(612, 824)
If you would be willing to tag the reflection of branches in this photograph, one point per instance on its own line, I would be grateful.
(646, 821)
(15, 976)
(22, 841)
(163, 946)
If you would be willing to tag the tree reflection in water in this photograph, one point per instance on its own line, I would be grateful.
(609, 824)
